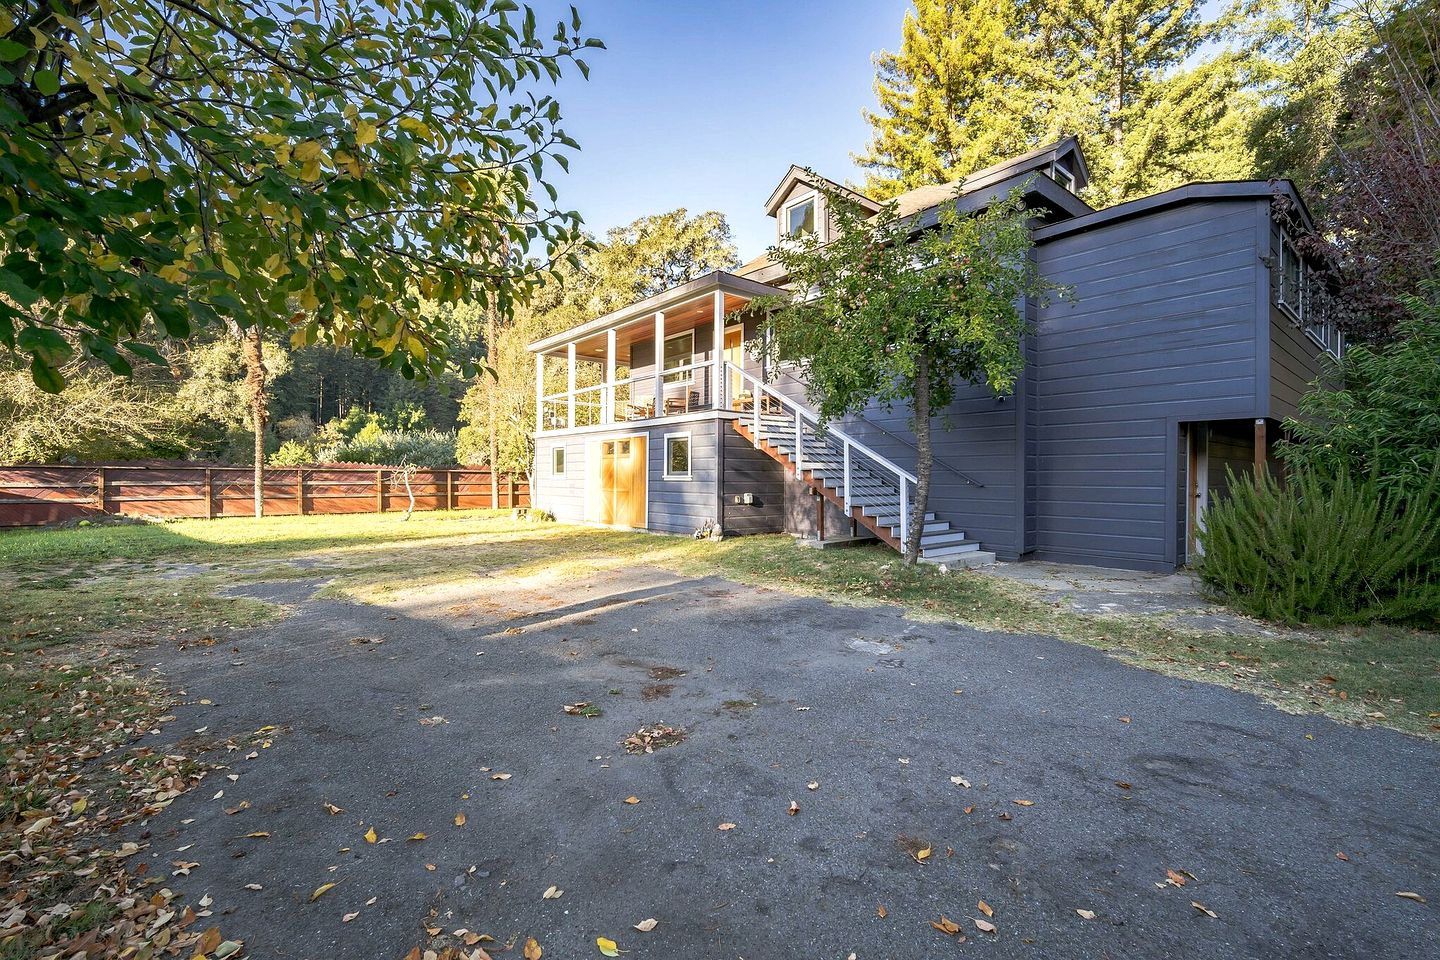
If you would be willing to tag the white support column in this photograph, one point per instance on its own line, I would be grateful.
(539, 392)
(570, 382)
(846, 444)
(799, 446)
(609, 376)
(659, 364)
(717, 371)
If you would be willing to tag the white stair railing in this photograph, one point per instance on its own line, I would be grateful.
(853, 452)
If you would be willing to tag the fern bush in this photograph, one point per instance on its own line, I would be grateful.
(1325, 549)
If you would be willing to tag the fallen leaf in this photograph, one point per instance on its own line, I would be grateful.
(726, 826)
(946, 926)
(1086, 914)
(1204, 909)
(881, 912)
(78, 806)
(552, 892)
(1122, 785)
(459, 819)
(532, 949)
(321, 890)
(969, 809)
(922, 854)
(258, 834)
(645, 926)
(1023, 803)
(813, 785)
(985, 908)
(608, 948)
(632, 800)
(1175, 879)
(349, 916)
(1410, 895)
(332, 809)
(208, 941)
(1124, 719)
(960, 782)
(984, 926)
(1339, 855)
(228, 949)
(370, 835)
(499, 776)
(794, 808)
(415, 836)
(253, 886)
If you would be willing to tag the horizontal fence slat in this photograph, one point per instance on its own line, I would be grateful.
(58, 493)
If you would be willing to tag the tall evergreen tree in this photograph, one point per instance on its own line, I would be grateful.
(977, 81)
(945, 98)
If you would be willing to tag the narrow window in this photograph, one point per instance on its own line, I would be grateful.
(1062, 175)
(557, 462)
(800, 218)
(677, 457)
(1292, 279)
(680, 352)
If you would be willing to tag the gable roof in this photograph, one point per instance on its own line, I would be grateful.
(797, 174)
(1040, 160)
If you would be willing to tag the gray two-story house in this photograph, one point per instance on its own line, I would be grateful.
(1186, 338)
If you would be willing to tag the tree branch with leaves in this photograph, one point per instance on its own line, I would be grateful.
(889, 313)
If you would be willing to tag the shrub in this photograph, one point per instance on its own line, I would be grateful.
(293, 453)
(1325, 549)
(1385, 418)
(423, 448)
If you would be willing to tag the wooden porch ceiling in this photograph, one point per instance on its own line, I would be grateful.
(678, 319)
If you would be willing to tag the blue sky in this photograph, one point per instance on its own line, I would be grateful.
(704, 105)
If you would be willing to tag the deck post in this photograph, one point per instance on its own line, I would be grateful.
(717, 368)
(846, 445)
(659, 363)
(539, 392)
(1261, 466)
(758, 401)
(819, 516)
(904, 515)
(570, 383)
(609, 391)
(799, 446)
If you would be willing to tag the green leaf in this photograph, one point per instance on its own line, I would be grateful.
(47, 82)
(11, 51)
(46, 376)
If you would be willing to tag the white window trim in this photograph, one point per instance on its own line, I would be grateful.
(687, 375)
(1069, 184)
(812, 197)
(665, 473)
(565, 458)
(1295, 310)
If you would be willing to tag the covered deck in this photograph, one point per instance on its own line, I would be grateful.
(664, 357)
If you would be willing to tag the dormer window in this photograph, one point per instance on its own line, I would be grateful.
(800, 217)
(1061, 174)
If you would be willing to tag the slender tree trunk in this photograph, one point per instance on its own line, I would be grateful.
(924, 459)
(494, 416)
(259, 408)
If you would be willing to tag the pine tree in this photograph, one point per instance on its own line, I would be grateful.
(943, 98)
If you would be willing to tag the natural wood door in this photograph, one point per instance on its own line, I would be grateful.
(630, 482)
(615, 482)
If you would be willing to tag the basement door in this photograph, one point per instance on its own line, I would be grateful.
(616, 481)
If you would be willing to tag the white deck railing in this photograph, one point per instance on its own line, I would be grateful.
(855, 456)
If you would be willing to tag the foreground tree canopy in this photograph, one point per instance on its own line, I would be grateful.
(318, 168)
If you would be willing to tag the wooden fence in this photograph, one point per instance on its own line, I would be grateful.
(37, 495)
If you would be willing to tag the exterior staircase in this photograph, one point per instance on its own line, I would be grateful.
(870, 489)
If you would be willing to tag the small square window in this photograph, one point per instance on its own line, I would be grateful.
(557, 462)
(800, 219)
(677, 457)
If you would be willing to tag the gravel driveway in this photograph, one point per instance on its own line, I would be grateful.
(1044, 778)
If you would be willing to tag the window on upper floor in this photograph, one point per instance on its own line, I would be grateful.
(800, 217)
(1304, 299)
(680, 352)
(1061, 174)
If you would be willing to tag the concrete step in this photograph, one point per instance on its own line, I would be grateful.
(977, 558)
(944, 539)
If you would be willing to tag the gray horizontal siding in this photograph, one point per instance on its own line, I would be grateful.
(682, 506)
(562, 496)
(748, 471)
(1162, 329)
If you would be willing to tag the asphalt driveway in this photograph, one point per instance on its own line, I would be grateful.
(1295, 832)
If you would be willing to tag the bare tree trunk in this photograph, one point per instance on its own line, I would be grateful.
(259, 408)
(924, 459)
(494, 414)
